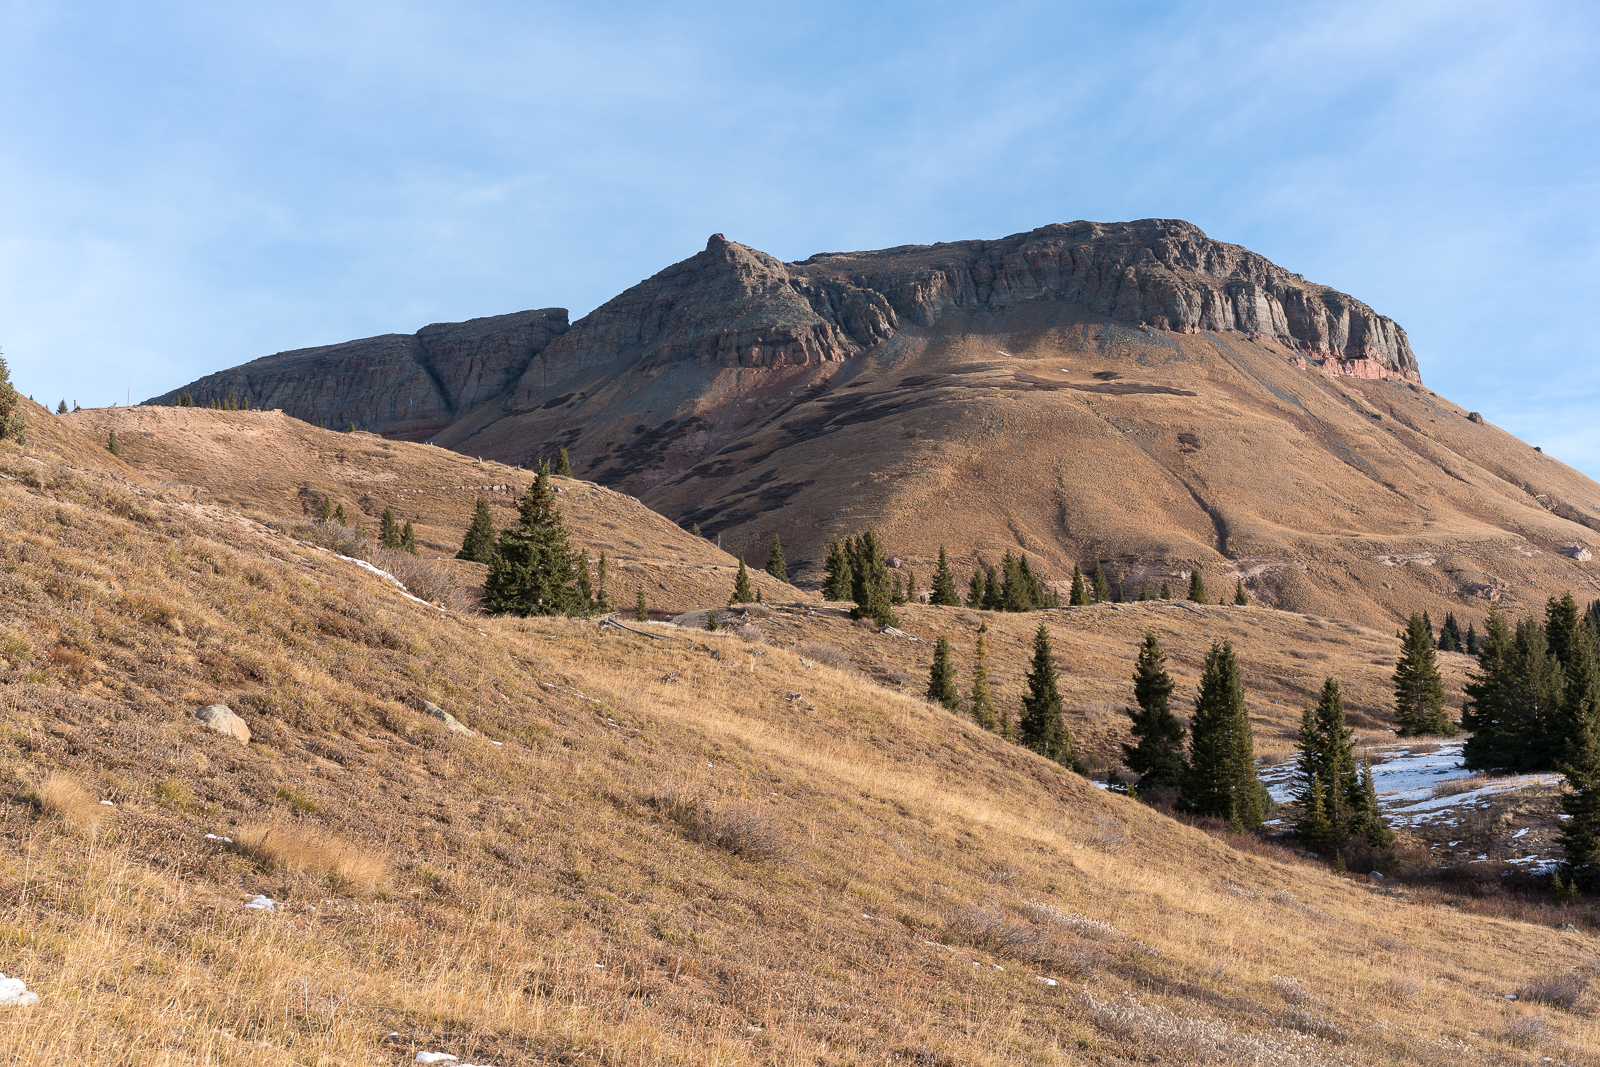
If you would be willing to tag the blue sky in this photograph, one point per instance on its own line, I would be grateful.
(184, 187)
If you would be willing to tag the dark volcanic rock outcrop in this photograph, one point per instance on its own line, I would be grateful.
(404, 385)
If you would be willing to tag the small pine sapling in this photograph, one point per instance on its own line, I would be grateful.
(942, 677)
(982, 706)
(563, 467)
(61, 408)
(111, 444)
(641, 609)
(1240, 598)
(602, 598)
(408, 538)
(1144, 591)
(742, 593)
(1080, 592)
(1166, 591)
(389, 529)
(712, 622)
(776, 565)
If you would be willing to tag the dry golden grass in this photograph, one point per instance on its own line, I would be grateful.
(288, 845)
(514, 869)
(61, 795)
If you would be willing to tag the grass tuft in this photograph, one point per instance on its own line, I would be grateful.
(294, 847)
(64, 798)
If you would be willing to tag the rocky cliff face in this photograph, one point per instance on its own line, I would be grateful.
(731, 306)
(404, 385)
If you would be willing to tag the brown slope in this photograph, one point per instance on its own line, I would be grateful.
(271, 466)
(1134, 394)
(890, 886)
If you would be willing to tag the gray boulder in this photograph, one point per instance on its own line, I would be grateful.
(220, 717)
(450, 721)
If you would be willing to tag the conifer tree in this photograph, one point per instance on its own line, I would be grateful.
(1157, 758)
(111, 444)
(1197, 587)
(1472, 640)
(694, 530)
(1144, 591)
(585, 585)
(602, 599)
(982, 706)
(911, 586)
(325, 512)
(563, 468)
(1578, 758)
(408, 538)
(535, 570)
(942, 677)
(1116, 593)
(1240, 598)
(1418, 685)
(897, 593)
(776, 565)
(61, 408)
(1561, 618)
(1513, 700)
(1041, 726)
(712, 622)
(340, 517)
(641, 609)
(975, 589)
(1080, 593)
(873, 590)
(13, 423)
(993, 595)
(478, 544)
(839, 580)
(742, 593)
(1019, 590)
(1366, 817)
(1313, 828)
(1450, 634)
(1102, 592)
(1166, 590)
(944, 584)
(389, 530)
(1222, 777)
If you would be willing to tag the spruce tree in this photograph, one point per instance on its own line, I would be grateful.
(1366, 817)
(1561, 619)
(61, 408)
(911, 586)
(944, 584)
(839, 577)
(641, 609)
(408, 538)
(1472, 640)
(742, 593)
(1019, 591)
(1157, 758)
(1197, 587)
(585, 585)
(340, 517)
(982, 706)
(1418, 685)
(712, 622)
(478, 544)
(1450, 634)
(1116, 593)
(1222, 776)
(389, 530)
(1080, 592)
(111, 444)
(602, 599)
(872, 590)
(1102, 592)
(563, 468)
(897, 592)
(993, 596)
(1514, 700)
(1240, 599)
(776, 565)
(535, 570)
(325, 512)
(1041, 726)
(1313, 828)
(975, 589)
(13, 423)
(1578, 758)
(1166, 590)
(1144, 592)
(942, 677)
(694, 530)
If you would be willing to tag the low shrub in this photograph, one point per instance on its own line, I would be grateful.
(737, 830)
(1565, 991)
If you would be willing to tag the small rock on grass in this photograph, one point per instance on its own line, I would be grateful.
(450, 721)
(220, 717)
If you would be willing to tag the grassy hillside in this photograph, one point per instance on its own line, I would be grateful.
(677, 847)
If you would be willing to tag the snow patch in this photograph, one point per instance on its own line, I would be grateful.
(261, 903)
(14, 993)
